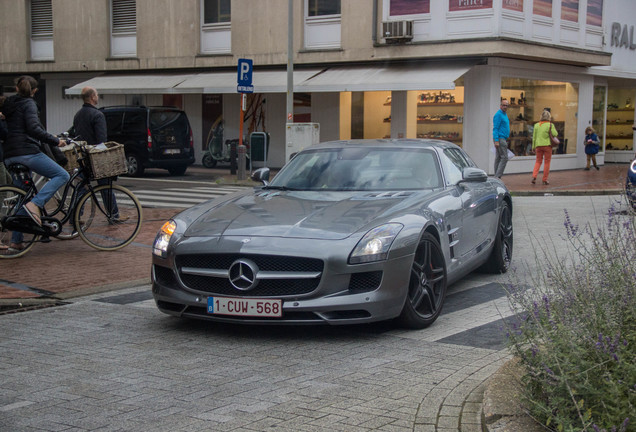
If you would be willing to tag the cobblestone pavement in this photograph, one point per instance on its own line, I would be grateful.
(97, 365)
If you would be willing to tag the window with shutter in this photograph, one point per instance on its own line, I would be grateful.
(41, 30)
(216, 27)
(322, 24)
(123, 37)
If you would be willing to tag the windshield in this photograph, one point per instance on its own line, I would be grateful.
(175, 121)
(360, 169)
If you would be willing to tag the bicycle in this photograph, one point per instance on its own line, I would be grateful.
(68, 231)
(106, 217)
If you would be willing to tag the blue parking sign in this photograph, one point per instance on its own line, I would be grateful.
(244, 78)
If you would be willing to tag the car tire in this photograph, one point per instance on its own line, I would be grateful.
(427, 285)
(501, 254)
(208, 161)
(134, 165)
(178, 170)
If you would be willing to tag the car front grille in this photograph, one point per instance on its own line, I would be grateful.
(282, 286)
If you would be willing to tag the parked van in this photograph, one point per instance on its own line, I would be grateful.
(153, 137)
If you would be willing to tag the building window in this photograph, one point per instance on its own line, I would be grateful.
(322, 24)
(216, 11)
(409, 7)
(528, 99)
(41, 30)
(216, 27)
(123, 30)
(542, 8)
(323, 7)
(595, 12)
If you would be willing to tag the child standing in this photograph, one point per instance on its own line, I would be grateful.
(591, 146)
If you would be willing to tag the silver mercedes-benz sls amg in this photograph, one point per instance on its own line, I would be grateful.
(347, 232)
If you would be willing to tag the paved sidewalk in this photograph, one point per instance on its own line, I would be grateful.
(65, 269)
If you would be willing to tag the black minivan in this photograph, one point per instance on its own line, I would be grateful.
(153, 137)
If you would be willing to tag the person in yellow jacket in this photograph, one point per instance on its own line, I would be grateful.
(542, 146)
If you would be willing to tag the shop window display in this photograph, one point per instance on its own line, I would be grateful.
(619, 135)
(598, 113)
(440, 114)
(528, 98)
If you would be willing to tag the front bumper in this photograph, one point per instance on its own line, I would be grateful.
(345, 294)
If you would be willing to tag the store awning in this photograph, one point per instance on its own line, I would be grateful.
(131, 84)
(225, 82)
(430, 76)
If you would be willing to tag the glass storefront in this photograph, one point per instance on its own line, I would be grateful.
(619, 135)
(429, 114)
(598, 113)
(528, 98)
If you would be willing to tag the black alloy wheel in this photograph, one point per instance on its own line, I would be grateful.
(427, 286)
(501, 255)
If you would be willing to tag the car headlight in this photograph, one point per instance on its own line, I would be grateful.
(160, 247)
(375, 244)
(633, 166)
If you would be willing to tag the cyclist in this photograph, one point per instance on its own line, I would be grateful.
(22, 145)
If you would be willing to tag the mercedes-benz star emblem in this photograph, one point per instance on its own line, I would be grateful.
(243, 273)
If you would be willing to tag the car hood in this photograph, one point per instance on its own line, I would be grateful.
(316, 215)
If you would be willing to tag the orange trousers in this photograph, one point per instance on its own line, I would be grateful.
(544, 153)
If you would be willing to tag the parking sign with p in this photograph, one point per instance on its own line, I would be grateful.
(244, 78)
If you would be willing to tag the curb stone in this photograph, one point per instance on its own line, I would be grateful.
(501, 407)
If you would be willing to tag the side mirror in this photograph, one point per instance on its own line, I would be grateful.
(474, 175)
(261, 175)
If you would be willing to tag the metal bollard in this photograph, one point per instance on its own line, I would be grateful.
(242, 150)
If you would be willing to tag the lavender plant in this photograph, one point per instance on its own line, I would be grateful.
(576, 333)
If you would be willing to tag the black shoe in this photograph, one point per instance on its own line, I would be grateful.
(597, 168)
(586, 168)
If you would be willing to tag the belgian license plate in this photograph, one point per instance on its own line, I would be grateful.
(245, 307)
(172, 151)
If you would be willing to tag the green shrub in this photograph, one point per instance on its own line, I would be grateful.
(576, 332)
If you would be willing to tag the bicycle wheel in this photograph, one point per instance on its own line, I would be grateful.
(68, 230)
(103, 225)
(11, 198)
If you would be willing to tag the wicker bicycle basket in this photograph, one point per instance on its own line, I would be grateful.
(108, 162)
(71, 155)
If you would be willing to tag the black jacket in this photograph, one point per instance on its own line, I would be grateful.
(3, 136)
(90, 125)
(25, 132)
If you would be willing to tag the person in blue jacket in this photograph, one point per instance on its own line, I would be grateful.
(500, 134)
(591, 146)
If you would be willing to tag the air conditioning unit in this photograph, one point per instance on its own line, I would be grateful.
(397, 31)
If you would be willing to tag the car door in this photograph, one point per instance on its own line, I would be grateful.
(479, 206)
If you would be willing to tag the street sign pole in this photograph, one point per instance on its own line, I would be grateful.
(244, 85)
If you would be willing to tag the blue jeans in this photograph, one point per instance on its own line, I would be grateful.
(47, 167)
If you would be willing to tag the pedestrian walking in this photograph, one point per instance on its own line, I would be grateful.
(89, 124)
(591, 146)
(542, 146)
(500, 134)
(23, 145)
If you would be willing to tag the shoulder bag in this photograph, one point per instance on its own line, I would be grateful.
(554, 141)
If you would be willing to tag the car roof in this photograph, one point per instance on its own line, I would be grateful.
(140, 108)
(385, 143)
